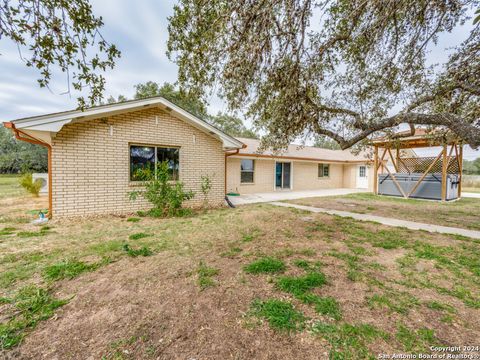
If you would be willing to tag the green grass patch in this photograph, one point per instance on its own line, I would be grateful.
(205, 275)
(307, 265)
(231, 252)
(435, 305)
(28, 307)
(349, 341)
(143, 251)
(280, 315)
(138, 236)
(265, 265)
(7, 230)
(299, 285)
(134, 219)
(353, 264)
(415, 341)
(323, 305)
(69, 269)
(251, 235)
(396, 301)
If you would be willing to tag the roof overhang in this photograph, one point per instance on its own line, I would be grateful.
(53, 123)
(298, 158)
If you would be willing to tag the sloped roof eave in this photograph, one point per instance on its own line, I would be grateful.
(54, 122)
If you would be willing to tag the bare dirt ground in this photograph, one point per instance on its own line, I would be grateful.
(415, 289)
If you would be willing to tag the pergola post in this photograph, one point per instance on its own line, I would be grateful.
(460, 168)
(444, 172)
(375, 172)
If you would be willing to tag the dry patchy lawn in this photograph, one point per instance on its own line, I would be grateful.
(254, 282)
(464, 213)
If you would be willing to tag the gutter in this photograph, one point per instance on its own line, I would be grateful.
(22, 136)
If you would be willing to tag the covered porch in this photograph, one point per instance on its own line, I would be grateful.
(289, 195)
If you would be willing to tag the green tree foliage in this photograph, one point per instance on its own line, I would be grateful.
(471, 167)
(229, 124)
(62, 35)
(331, 67)
(185, 100)
(325, 142)
(232, 125)
(18, 156)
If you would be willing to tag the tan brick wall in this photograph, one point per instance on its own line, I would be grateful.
(90, 169)
(350, 176)
(262, 178)
(305, 176)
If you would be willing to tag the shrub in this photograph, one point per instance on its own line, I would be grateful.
(206, 186)
(33, 187)
(166, 196)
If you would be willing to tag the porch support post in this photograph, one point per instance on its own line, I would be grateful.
(444, 172)
(375, 172)
(460, 168)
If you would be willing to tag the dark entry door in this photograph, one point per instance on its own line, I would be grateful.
(282, 175)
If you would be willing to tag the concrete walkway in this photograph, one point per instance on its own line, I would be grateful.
(471, 195)
(387, 221)
(289, 195)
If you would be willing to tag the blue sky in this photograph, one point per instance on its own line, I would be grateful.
(139, 29)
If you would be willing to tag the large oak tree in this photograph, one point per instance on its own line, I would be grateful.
(60, 35)
(345, 69)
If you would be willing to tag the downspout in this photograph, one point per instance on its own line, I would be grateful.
(32, 140)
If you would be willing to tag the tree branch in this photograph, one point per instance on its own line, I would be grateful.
(467, 131)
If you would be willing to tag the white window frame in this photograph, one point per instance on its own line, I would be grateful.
(249, 171)
(323, 171)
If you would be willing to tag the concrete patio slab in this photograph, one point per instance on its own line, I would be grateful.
(289, 195)
(387, 221)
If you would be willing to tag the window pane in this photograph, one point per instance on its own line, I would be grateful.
(170, 155)
(247, 164)
(363, 171)
(326, 170)
(320, 170)
(142, 162)
(246, 177)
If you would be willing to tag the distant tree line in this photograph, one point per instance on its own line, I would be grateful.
(471, 167)
(19, 156)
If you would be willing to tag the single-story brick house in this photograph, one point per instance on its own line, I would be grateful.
(93, 155)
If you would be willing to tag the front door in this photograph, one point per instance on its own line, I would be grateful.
(282, 175)
(362, 177)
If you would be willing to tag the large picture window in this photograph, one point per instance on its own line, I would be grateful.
(323, 170)
(247, 169)
(144, 161)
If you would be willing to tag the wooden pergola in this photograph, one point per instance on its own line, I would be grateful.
(448, 161)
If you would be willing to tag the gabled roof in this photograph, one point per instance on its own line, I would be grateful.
(54, 122)
(297, 152)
